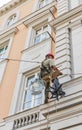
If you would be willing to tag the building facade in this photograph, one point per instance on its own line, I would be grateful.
(29, 29)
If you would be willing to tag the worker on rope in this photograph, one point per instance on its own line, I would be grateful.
(49, 74)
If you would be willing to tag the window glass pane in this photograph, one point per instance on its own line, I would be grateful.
(38, 100)
(38, 39)
(38, 31)
(11, 20)
(3, 51)
(27, 105)
(28, 96)
(44, 36)
(29, 99)
(41, 34)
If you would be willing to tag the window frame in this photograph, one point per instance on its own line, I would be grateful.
(3, 46)
(12, 19)
(33, 34)
(25, 88)
(6, 43)
(7, 18)
(41, 34)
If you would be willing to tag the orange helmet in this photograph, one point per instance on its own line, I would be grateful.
(49, 54)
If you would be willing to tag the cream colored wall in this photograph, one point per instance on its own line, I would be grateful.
(9, 79)
(10, 76)
(24, 9)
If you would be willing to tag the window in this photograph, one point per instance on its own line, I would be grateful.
(41, 34)
(77, 50)
(43, 3)
(74, 3)
(3, 50)
(29, 99)
(11, 19)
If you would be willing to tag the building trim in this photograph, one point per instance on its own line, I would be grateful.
(12, 4)
(40, 13)
(67, 17)
(7, 32)
(64, 103)
(33, 16)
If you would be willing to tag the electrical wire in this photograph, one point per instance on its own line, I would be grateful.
(31, 61)
(20, 60)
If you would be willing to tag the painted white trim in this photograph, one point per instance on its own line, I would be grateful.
(16, 93)
(7, 53)
(4, 26)
(8, 32)
(35, 5)
(67, 17)
(18, 96)
(28, 37)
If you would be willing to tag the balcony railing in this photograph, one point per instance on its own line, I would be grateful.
(26, 120)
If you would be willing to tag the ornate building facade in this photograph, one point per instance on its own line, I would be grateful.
(29, 29)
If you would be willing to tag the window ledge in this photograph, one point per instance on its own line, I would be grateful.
(40, 13)
(35, 45)
(63, 109)
(7, 32)
(67, 17)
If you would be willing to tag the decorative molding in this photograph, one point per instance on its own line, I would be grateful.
(33, 16)
(7, 32)
(10, 5)
(67, 103)
(75, 23)
(67, 17)
(40, 13)
(72, 98)
(26, 120)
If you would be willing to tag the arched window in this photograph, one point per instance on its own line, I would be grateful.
(11, 19)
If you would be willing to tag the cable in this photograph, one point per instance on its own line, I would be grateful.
(36, 62)
(20, 60)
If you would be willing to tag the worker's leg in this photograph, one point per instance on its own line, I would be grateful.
(46, 92)
(58, 87)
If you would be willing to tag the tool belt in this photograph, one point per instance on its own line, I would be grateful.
(48, 73)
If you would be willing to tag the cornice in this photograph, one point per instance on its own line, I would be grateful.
(7, 32)
(67, 17)
(40, 13)
(10, 5)
(30, 18)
